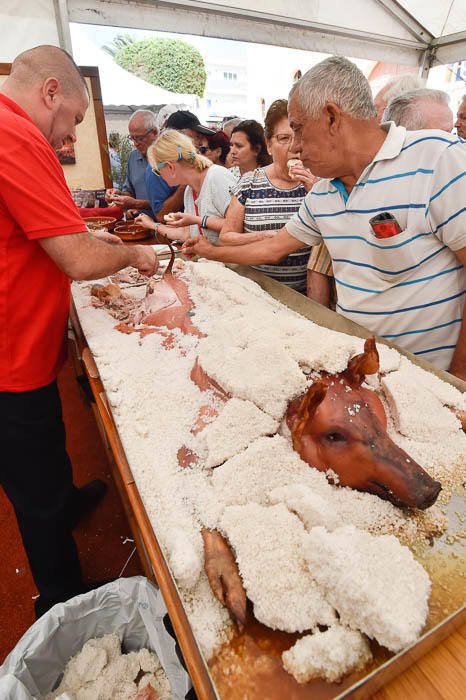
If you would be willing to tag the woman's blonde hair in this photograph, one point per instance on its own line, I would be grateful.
(174, 146)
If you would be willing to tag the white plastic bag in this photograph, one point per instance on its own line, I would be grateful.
(132, 608)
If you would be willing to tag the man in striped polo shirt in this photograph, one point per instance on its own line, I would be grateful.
(409, 288)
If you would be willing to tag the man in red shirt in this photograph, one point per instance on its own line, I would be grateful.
(43, 243)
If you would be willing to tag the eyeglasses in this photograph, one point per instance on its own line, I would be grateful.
(283, 139)
(139, 139)
(203, 150)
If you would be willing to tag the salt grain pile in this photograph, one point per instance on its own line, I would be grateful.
(101, 672)
(263, 354)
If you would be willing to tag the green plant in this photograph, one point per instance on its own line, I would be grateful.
(169, 63)
(122, 146)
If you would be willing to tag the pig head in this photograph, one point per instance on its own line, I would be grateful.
(342, 426)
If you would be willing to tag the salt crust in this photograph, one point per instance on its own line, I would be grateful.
(269, 470)
(373, 582)
(152, 423)
(328, 655)
(209, 620)
(417, 412)
(432, 437)
(239, 423)
(145, 382)
(243, 351)
(273, 567)
(101, 672)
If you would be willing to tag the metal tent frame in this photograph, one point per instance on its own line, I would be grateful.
(386, 31)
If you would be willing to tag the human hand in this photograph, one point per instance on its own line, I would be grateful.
(131, 214)
(179, 219)
(124, 200)
(198, 246)
(299, 173)
(107, 237)
(146, 221)
(110, 194)
(144, 259)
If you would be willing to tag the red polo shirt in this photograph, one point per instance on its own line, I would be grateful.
(35, 203)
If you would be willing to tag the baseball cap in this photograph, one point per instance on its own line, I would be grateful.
(187, 120)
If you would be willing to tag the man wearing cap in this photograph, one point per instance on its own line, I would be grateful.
(163, 198)
(189, 124)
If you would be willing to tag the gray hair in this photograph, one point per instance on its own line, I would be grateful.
(231, 124)
(399, 84)
(148, 119)
(406, 110)
(335, 80)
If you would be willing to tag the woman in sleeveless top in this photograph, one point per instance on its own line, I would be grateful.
(265, 199)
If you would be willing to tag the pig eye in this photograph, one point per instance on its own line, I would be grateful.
(335, 436)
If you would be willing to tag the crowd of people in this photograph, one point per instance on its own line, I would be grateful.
(374, 189)
(270, 179)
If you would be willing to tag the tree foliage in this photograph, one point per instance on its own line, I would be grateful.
(169, 63)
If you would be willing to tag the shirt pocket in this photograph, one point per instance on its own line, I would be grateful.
(394, 258)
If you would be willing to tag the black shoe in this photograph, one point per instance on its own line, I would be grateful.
(85, 499)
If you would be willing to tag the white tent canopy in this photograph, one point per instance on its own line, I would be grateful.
(413, 32)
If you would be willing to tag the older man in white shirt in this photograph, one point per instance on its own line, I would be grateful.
(410, 287)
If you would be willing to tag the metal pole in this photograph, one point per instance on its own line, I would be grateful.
(426, 61)
(63, 26)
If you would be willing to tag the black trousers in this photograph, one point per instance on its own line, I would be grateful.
(36, 474)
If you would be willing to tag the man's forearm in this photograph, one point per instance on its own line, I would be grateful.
(230, 238)
(81, 256)
(259, 253)
(141, 204)
(104, 259)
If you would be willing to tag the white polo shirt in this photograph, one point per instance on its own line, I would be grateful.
(409, 288)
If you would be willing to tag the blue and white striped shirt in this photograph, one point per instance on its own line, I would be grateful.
(409, 288)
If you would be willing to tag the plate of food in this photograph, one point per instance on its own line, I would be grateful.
(131, 232)
(100, 222)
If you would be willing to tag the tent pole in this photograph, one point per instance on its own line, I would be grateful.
(63, 25)
(426, 61)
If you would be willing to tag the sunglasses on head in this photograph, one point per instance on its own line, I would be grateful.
(156, 168)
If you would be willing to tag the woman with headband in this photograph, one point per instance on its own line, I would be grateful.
(207, 195)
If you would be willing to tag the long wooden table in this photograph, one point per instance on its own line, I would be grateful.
(440, 674)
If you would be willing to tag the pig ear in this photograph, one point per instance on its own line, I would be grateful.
(360, 365)
(306, 410)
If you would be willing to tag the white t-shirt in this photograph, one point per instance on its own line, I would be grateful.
(409, 288)
(213, 199)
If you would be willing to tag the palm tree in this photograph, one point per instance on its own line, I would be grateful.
(119, 42)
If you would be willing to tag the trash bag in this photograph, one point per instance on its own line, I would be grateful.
(132, 608)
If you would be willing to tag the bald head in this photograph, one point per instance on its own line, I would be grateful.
(36, 65)
(47, 84)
